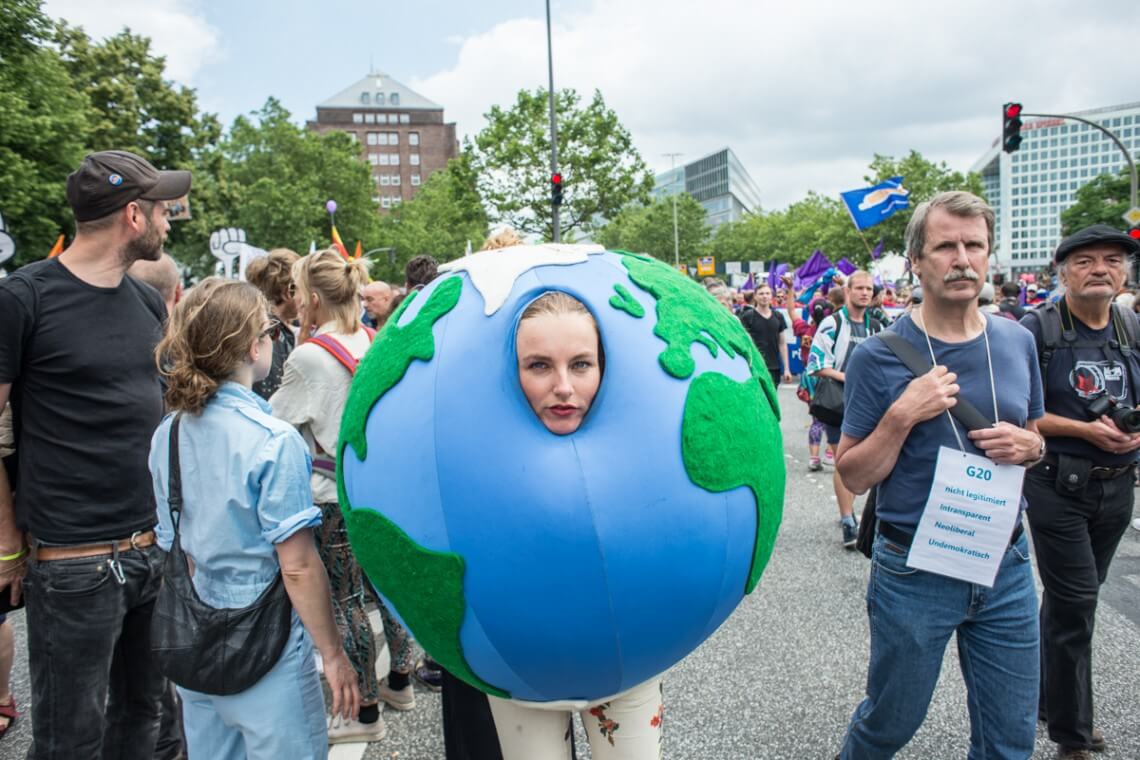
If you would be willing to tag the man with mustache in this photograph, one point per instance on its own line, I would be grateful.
(77, 340)
(898, 434)
(1081, 495)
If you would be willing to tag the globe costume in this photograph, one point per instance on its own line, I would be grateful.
(550, 568)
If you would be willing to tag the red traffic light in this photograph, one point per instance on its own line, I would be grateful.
(556, 179)
(1134, 233)
(1012, 110)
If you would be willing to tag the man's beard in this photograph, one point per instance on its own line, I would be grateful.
(147, 246)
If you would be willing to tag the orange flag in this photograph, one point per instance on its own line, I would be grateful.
(57, 248)
(338, 243)
(359, 251)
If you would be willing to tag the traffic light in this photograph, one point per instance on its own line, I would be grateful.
(1011, 127)
(1134, 233)
(556, 188)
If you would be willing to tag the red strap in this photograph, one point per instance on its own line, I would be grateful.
(338, 351)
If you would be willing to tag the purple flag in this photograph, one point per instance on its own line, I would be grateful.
(774, 273)
(877, 251)
(845, 266)
(811, 270)
(749, 284)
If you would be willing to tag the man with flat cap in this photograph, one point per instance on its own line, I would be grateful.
(1080, 496)
(77, 339)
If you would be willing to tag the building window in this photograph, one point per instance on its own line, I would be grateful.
(414, 159)
(383, 158)
(394, 99)
(393, 138)
(396, 180)
(413, 138)
(404, 118)
(381, 138)
(379, 98)
(352, 136)
(371, 138)
(385, 180)
(364, 98)
(385, 202)
(369, 118)
(395, 159)
(374, 159)
(415, 179)
(358, 118)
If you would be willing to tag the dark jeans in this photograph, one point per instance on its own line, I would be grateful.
(468, 729)
(1075, 536)
(95, 692)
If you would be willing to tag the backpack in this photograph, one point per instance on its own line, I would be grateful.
(1053, 332)
(324, 464)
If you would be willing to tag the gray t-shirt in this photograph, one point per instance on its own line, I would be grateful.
(876, 377)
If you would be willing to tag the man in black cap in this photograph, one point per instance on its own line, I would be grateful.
(1080, 496)
(77, 339)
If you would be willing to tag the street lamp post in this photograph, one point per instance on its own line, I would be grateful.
(676, 235)
(556, 233)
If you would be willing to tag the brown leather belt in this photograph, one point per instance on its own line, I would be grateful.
(140, 540)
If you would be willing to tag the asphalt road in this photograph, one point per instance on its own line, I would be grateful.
(781, 677)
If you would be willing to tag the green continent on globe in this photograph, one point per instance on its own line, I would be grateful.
(402, 570)
(624, 301)
(399, 567)
(730, 438)
(687, 314)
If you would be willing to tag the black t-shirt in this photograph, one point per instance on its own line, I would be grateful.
(1011, 306)
(765, 332)
(283, 344)
(87, 398)
(1080, 374)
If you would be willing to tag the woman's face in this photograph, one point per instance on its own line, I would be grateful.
(559, 368)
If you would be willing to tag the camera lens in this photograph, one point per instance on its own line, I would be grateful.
(1127, 419)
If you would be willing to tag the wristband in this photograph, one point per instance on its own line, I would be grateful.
(17, 555)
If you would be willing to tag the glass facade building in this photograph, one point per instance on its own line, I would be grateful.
(718, 181)
(1056, 157)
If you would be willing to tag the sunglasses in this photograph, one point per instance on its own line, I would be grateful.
(273, 332)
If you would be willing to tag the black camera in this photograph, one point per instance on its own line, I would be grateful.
(1125, 417)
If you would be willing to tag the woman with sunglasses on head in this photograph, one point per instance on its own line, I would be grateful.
(247, 515)
(313, 391)
(273, 276)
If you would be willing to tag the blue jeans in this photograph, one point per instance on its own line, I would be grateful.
(95, 691)
(281, 716)
(913, 614)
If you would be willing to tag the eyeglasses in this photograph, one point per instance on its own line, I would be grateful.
(272, 332)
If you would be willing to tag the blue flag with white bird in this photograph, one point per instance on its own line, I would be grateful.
(872, 205)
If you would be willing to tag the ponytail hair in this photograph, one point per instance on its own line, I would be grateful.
(337, 283)
(207, 339)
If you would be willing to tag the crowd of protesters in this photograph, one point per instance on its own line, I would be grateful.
(200, 426)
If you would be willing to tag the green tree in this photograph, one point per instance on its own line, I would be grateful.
(649, 229)
(42, 129)
(602, 171)
(444, 216)
(924, 179)
(791, 235)
(133, 107)
(1102, 200)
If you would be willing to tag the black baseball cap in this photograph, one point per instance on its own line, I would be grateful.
(108, 180)
(1096, 234)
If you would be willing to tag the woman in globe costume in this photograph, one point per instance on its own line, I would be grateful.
(248, 513)
(560, 366)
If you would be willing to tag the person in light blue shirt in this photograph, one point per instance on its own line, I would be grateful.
(247, 514)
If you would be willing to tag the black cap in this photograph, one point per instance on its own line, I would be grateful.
(109, 180)
(1097, 234)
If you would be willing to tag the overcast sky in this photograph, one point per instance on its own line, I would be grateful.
(805, 93)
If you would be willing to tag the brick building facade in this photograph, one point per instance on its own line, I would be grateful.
(401, 134)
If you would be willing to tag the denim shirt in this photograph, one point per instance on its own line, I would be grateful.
(245, 487)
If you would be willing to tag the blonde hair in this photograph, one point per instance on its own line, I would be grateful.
(208, 337)
(337, 283)
(504, 238)
(272, 274)
(556, 303)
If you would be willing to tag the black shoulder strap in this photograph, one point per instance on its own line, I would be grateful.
(174, 487)
(1126, 320)
(963, 411)
(1051, 333)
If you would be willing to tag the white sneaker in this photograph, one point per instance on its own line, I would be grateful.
(1136, 524)
(343, 731)
(398, 699)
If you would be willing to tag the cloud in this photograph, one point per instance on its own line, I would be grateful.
(805, 93)
(177, 29)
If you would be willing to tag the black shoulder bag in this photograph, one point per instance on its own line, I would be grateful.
(965, 412)
(206, 649)
(827, 397)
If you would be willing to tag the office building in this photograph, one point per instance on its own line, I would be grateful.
(402, 134)
(718, 181)
(1056, 157)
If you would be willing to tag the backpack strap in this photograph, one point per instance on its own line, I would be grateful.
(1051, 333)
(1126, 327)
(338, 351)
